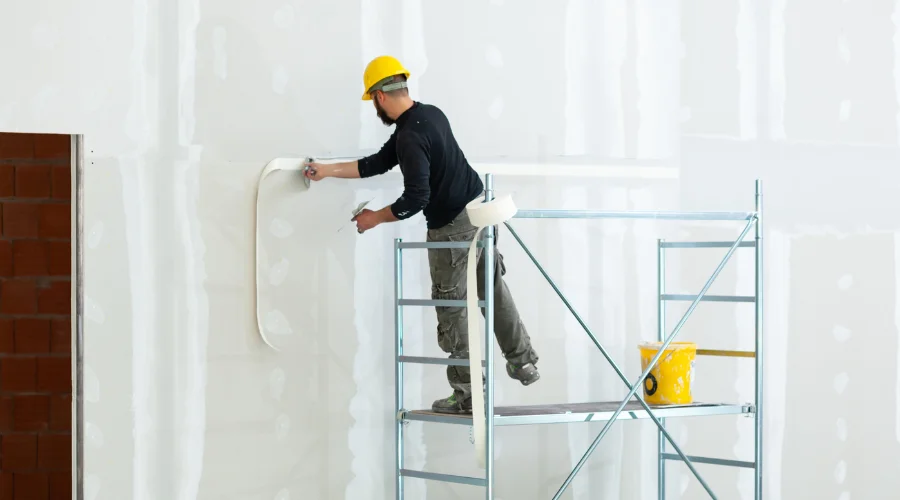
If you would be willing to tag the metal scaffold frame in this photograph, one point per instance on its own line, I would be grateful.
(609, 412)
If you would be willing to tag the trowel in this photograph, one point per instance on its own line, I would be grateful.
(358, 210)
(306, 168)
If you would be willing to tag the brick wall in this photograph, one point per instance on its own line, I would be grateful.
(35, 360)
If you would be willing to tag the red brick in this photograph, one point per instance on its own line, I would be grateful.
(61, 485)
(54, 375)
(29, 258)
(61, 335)
(32, 486)
(18, 374)
(6, 414)
(21, 220)
(61, 412)
(6, 486)
(16, 146)
(54, 146)
(19, 452)
(32, 335)
(62, 183)
(31, 413)
(55, 298)
(7, 181)
(56, 221)
(18, 297)
(59, 258)
(33, 181)
(7, 336)
(6, 258)
(55, 452)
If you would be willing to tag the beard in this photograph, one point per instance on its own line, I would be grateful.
(382, 115)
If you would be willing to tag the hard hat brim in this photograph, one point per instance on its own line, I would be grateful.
(367, 96)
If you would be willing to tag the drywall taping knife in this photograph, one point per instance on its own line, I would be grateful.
(307, 168)
(358, 210)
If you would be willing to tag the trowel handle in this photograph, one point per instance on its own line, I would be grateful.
(307, 167)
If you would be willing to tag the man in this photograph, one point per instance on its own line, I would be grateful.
(437, 180)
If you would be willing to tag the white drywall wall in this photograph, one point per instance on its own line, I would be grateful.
(182, 103)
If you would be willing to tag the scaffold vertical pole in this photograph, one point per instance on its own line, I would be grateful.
(758, 415)
(660, 335)
(488, 345)
(398, 365)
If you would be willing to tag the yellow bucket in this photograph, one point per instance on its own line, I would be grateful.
(669, 382)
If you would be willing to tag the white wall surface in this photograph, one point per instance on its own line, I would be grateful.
(183, 102)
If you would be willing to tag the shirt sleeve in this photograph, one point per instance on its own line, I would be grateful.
(415, 163)
(380, 162)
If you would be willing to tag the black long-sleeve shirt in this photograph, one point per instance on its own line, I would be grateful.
(437, 178)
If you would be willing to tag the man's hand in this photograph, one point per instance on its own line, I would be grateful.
(367, 219)
(316, 171)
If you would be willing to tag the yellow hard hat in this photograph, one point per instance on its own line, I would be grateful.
(380, 68)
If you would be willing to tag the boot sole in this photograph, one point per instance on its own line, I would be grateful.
(537, 376)
(527, 382)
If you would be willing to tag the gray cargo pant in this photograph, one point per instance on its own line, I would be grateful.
(448, 282)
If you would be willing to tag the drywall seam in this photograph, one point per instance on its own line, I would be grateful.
(571, 244)
(896, 39)
(897, 332)
(646, 233)
(613, 307)
(190, 391)
(575, 62)
(659, 85)
(568, 170)
(747, 69)
(777, 82)
(614, 33)
(374, 352)
(372, 44)
(137, 191)
(191, 387)
(776, 331)
(414, 57)
(622, 171)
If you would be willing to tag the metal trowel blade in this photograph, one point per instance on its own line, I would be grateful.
(306, 181)
(358, 210)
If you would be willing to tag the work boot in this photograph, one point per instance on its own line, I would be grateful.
(527, 374)
(451, 405)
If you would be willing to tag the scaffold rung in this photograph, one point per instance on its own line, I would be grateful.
(705, 244)
(436, 303)
(710, 461)
(578, 412)
(446, 478)
(439, 244)
(436, 361)
(726, 353)
(708, 298)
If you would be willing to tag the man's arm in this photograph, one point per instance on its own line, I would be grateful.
(376, 164)
(382, 161)
(344, 170)
(415, 163)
